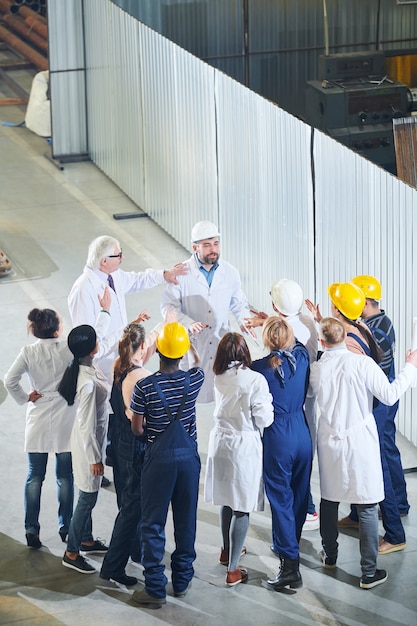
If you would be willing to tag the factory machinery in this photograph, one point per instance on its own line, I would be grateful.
(354, 101)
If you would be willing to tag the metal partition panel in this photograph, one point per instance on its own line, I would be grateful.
(67, 78)
(115, 116)
(366, 223)
(265, 194)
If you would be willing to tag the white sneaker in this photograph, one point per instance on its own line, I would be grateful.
(312, 521)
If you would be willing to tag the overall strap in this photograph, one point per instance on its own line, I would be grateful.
(164, 400)
(362, 344)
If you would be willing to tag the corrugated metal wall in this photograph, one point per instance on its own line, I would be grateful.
(187, 142)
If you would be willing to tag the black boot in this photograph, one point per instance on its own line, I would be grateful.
(289, 574)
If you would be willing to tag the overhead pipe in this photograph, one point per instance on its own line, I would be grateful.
(37, 26)
(24, 49)
(19, 25)
(27, 12)
(5, 5)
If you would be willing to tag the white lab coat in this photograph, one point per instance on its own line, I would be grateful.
(234, 460)
(344, 384)
(88, 438)
(195, 301)
(84, 306)
(49, 420)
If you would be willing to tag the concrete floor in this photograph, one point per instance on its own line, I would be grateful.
(47, 219)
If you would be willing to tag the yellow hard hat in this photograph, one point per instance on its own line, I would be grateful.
(173, 341)
(348, 298)
(370, 286)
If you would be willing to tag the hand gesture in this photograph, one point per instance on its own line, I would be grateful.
(248, 330)
(34, 395)
(97, 469)
(411, 357)
(105, 299)
(180, 269)
(142, 317)
(197, 327)
(314, 310)
(257, 320)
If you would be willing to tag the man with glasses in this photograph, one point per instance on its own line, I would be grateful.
(102, 270)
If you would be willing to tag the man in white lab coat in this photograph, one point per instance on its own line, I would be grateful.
(344, 384)
(202, 299)
(103, 269)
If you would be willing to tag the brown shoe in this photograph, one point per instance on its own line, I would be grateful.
(347, 522)
(386, 548)
(239, 575)
(224, 555)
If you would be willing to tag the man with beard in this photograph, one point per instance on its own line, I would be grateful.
(203, 298)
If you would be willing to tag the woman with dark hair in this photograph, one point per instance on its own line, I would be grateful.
(49, 420)
(287, 446)
(234, 460)
(82, 381)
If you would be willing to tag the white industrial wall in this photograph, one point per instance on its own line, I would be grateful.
(186, 142)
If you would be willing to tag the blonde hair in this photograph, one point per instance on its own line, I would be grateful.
(277, 334)
(332, 331)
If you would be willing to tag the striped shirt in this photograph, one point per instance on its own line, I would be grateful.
(383, 323)
(146, 402)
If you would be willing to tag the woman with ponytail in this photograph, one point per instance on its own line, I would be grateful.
(287, 449)
(84, 383)
(134, 351)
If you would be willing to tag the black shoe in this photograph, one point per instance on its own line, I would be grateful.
(79, 564)
(328, 562)
(123, 579)
(183, 593)
(63, 534)
(288, 575)
(144, 599)
(33, 541)
(97, 547)
(105, 482)
(271, 547)
(367, 582)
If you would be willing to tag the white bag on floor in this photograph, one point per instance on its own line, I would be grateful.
(38, 112)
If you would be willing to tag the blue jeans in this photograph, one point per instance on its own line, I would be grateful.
(33, 487)
(81, 527)
(368, 533)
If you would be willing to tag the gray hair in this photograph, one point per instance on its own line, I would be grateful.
(99, 248)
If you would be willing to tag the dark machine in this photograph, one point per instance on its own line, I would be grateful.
(354, 101)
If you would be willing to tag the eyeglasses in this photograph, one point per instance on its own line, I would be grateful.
(115, 256)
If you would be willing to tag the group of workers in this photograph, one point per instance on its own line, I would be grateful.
(264, 433)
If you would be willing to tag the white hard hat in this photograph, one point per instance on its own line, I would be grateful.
(287, 296)
(204, 230)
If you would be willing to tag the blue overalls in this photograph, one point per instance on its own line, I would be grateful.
(287, 452)
(170, 475)
(391, 520)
